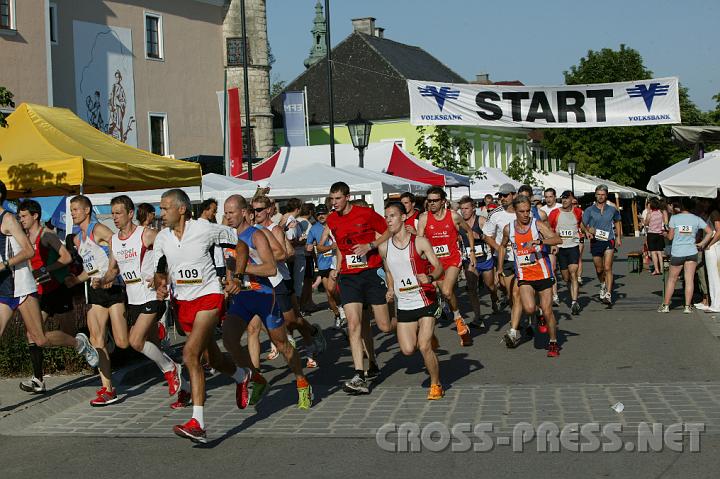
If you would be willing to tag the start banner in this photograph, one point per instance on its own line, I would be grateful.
(636, 103)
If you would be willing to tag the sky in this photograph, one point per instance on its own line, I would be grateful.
(528, 40)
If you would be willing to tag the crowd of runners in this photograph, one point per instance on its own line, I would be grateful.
(234, 278)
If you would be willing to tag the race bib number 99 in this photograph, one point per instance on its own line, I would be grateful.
(441, 250)
(602, 235)
(355, 261)
(186, 275)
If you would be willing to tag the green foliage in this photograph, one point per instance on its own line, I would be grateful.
(444, 150)
(627, 155)
(15, 360)
(714, 116)
(6, 99)
(277, 87)
(523, 171)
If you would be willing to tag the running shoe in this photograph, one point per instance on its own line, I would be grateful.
(273, 353)
(463, 331)
(542, 325)
(373, 372)
(173, 379)
(241, 390)
(340, 322)
(553, 350)
(310, 362)
(258, 391)
(356, 385)
(319, 339)
(575, 308)
(701, 306)
(436, 392)
(191, 430)
(305, 397)
(688, 309)
(511, 339)
(86, 349)
(556, 300)
(607, 299)
(184, 398)
(603, 291)
(104, 398)
(33, 385)
(664, 308)
(580, 280)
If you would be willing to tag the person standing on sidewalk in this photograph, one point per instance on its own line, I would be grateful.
(684, 228)
(712, 261)
(411, 268)
(655, 221)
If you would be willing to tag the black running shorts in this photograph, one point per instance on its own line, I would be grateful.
(412, 315)
(365, 287)
(568, 256)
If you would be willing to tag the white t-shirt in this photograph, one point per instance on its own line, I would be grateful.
(498, 219)
(190, 264)
(547, 209)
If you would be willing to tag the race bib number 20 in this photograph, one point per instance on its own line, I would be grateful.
(441, 250)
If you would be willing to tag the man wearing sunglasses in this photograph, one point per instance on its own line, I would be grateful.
(441, 225)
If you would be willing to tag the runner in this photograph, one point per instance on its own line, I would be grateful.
(601, 223)
(441, 225)
(527, 238)
(551, 205)
(358, 231)
(411, 268)
(566, 222)
(413, 213)
(48, 267)
(254, 301)
(484, 262)
(325, 259)
(582, 245)
(183, 263)
(107, 303)
(131, 256)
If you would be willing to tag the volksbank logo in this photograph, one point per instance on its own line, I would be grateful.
(648, 94)
(444, 93)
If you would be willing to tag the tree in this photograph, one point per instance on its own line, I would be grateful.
(6, 100)
(627, 155)
(523, 171)
(444, 150)
(714, 116)
(276, 88)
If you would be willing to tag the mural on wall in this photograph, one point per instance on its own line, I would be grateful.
(104, 85)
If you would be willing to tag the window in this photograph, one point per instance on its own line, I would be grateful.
(7, 14)
(153, 36)
(53, 24)
(235, 52)
(158, 133)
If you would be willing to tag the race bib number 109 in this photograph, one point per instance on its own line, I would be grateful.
(187, 276)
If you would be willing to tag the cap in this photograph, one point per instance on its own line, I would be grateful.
(321, 209)
(506, 188)
(566, 194)
(536, 198)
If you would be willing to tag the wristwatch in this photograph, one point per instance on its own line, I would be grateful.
(372, 245)
(6, 263)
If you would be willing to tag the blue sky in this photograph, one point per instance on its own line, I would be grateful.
(531, 41)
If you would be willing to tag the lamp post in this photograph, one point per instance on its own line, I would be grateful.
(571, 169)
(359, 129)
(247, 141)
(328, 64)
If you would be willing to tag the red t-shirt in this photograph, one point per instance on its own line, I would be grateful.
(356, 227)
(412, 220)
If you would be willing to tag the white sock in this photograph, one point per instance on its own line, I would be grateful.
(456, 313)
(198, 415)
(513, 332)
(161, 359)
(239, 375)
(341, 311)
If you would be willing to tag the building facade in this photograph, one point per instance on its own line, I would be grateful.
(145, 72)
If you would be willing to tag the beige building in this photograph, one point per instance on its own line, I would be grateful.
(146, 72)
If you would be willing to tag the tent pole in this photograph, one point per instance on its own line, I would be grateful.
(225, 120)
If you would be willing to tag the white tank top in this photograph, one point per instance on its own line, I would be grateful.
(136, 266)
(567, 228)
(404, 265)
(283, 273)
(94, 257)
(19, 280)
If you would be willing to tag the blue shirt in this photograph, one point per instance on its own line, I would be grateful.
(686, 226)
(603, 222)
(324, 260)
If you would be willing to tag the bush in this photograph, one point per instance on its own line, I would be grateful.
(15, 359)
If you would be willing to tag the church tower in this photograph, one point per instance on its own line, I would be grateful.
(319, 31)
(258, 68)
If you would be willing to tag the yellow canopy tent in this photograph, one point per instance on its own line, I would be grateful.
(48, 151)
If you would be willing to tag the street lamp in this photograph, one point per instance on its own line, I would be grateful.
(359, 129)
(571, 169)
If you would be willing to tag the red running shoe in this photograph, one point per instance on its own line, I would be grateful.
(553, 350)
(173, 379)
(191, 430)
(104, 398)
(542, 325)
(183, 400)
(241, 391)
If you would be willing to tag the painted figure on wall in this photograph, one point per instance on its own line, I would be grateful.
(117, 104)
(94, 112)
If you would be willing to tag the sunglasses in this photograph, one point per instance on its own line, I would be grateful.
(503, 195)
(436, 200)
(259, 210)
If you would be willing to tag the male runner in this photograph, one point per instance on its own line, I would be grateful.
(484, 262)
(107, 303)
(566, 221)
(131, 256)
(551, 205)
(183, 262)
(411, 268)
(17, 292)
(255, 302)
(325, 259)
(527, 236)
(357, 231)
(601, 223)
(440, 226)
(413, 214)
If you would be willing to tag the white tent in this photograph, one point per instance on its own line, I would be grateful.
(398, 182)
(561, 181)
(621, 190)
(699, 178)
(494, 177)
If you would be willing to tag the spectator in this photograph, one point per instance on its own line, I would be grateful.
(654, 220)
